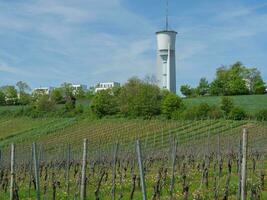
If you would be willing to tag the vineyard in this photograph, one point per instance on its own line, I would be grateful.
(131, 159)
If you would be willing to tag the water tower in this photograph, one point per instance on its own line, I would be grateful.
(166, 69)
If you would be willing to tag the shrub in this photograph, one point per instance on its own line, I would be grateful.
(170, 103)
(104, 103)
(215, 113)
(139, 99)
(44, 103)
(227, 104)
(237, 114)
(262, 115)
(2, 98)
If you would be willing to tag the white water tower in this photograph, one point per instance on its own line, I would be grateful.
(166, 68)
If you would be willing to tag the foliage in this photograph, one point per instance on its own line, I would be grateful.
(56, 96)
(139, 99)
(24, 99)
(262, 115)
(186, 90)
(104, 103)
(215, 112)
(23, 87)
(2, 98)
(11, 94)
(237, 113)
(171, 103)
(227, 104)
(44, 104)
(203, 87)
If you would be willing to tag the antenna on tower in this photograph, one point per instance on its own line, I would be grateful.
(167, 14)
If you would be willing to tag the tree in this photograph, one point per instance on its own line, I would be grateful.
(258, 86)
(23, 87)
(80, 93)
(230, 81)
(11, 94)
(104, 103)
(56, 96)
(237, 114)
(170, 104)
(254, 81)
(203, 87)
(25, 99)
(139, 99)
(44, 104)
(227, 104)
(2, 98)
(186, 90)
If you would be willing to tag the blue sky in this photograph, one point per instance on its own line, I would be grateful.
(48, 42)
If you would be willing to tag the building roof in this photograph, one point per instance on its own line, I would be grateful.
(166, 31)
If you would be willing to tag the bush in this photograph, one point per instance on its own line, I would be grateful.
(139, 99)
(215, 113)
(104, 103)
(170, 103)
(44, 104)
(227, 104)
(2, 98)
(262, 115)
(237, 114)
(200, 111)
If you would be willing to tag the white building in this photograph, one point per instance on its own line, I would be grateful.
(76, 87)
(166, 69)
(106, 85)
(43, 90)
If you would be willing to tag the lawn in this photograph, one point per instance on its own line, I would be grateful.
(251, 103)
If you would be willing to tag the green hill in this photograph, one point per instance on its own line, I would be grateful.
(250, 103)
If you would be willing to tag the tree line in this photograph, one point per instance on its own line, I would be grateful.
(233, 80)
(139, 98)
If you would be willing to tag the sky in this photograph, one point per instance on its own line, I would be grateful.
(48, 42)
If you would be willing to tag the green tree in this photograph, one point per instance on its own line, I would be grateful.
(186, 90)
(56, 96)
(170, 104)
(258, 86)
(254, 81)
(104, 103)
(25, 99)
(44, 104)
(203, 87)
(139, 99)
(80, 93)
(237, 114)
(2, 98)
(230, 81)
(227, 104)
(11, 94)
(23, 87)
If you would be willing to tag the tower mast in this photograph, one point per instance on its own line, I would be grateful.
(167, 15)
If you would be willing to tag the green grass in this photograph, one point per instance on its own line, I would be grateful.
(250, 103)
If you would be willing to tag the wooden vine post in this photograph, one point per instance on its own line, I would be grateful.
(114, 171)
(68, 172)
(244, 166)
(36, 171)
(84, 163)
(12, 172)
(141, 169)
(174, 150)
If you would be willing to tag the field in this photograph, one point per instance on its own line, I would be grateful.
(251, 103)
(203, 162)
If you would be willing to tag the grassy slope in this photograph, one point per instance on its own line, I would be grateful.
(250, 103)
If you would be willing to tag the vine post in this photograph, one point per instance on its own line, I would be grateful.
(12, 172)
(84, 163)
(244, 166)
(141, 169)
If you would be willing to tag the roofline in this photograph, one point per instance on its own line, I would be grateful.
(166, 31)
